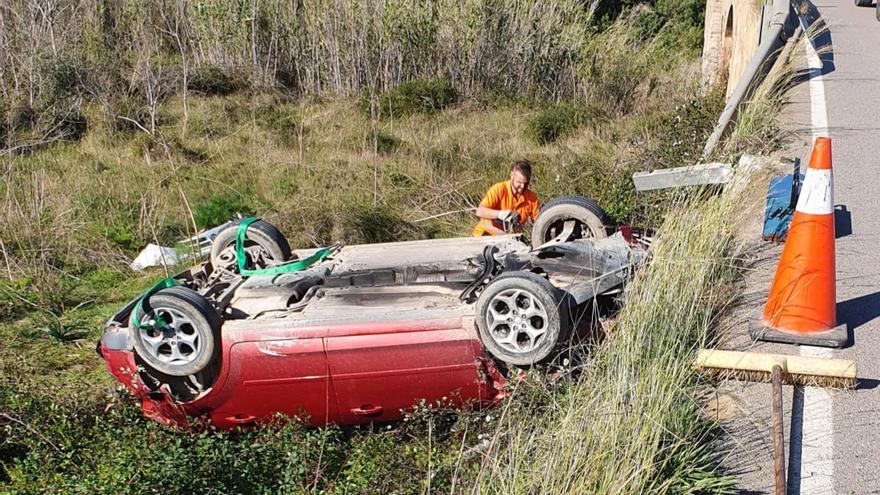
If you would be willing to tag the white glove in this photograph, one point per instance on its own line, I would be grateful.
(508, 216)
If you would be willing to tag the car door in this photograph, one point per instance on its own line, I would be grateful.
(379, 369)
(288, 376)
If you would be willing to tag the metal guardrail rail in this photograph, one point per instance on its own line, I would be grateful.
(781, 25)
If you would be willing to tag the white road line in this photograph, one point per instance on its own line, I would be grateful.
(817, 441)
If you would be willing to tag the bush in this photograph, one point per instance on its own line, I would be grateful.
(214, 81)
(71, 126)
(3, 125)
(683, 131)
(417, 96)
(378, 224)
(558, 120)
(282, 121)
(67, 77)
(220, 208)
(386, 143)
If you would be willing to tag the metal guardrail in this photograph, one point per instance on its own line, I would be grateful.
(781, 25)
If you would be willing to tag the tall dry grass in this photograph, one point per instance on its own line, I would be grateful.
(632, 421)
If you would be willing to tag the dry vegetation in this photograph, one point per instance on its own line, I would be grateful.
(137, 122)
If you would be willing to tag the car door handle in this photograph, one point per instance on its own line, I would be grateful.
(367, 410)
(240, 419)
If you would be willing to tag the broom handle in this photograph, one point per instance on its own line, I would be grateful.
(778, 436)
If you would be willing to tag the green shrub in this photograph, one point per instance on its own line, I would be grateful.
(67, 77)
(417, 96)
(385, 142)
(558, 120)
(16, 298)
(4, 125)
(378, 224)
(220, 208)
(63, 330)
(683, 131)
(282, 120)
(215, 81)
(23, 118)
(71, 126)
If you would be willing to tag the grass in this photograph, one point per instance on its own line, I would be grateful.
(73, 214)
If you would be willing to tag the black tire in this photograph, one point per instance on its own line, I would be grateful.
(192, 317)
(863, 3)
(591, 219)
(551, 308)
(274, 246)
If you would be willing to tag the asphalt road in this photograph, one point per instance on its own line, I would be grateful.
(833, 438)
(852, 98)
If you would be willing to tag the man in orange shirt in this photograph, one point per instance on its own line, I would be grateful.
(508, 203)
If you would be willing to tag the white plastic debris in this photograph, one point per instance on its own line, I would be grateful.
(154, 255)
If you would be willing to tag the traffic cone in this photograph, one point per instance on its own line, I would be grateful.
(801, 306)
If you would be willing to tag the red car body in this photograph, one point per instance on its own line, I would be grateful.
(333, 374)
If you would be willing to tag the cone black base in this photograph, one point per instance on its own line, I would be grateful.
(836, 337)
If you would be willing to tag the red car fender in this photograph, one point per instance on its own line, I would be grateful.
(498, 383)
(156, 405)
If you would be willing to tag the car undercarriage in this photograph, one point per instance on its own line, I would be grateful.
(442, 309)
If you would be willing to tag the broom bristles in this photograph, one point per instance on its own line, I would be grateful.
(797, 370)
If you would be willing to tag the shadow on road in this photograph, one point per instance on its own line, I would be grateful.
(842, 222)
(819, 34)
(858, 311)
(795, 442)
(867, 384)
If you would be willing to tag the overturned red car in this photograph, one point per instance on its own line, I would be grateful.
(358, 334)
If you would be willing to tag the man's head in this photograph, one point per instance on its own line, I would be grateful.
(520, 177)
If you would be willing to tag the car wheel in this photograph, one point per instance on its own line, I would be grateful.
(522, 318)
(264, 246)
(582, 214)
(178, 332)
(863, 3)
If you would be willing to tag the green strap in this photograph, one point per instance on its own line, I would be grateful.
(164, 284)
(293, 266)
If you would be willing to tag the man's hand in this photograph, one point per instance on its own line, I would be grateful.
(508, 216)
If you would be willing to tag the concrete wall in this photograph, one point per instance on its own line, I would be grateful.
(730, 38)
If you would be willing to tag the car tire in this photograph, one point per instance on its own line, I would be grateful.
(863, 3)
(193, 329)
(522, 318)
(590, 219)
(262, 241)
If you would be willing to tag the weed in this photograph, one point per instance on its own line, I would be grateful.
(417, 96)
(683, 131)
(385, 142)
(558, 120)
(221, 208)
(16, 298)
(212, 80)
(377, 224)
(64, 331)
(283, 121)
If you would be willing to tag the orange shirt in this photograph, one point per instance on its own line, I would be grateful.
(500, 197)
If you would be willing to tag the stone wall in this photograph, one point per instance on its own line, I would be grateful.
(730, 38)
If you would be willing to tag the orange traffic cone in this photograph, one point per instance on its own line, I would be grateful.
(801, 306)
